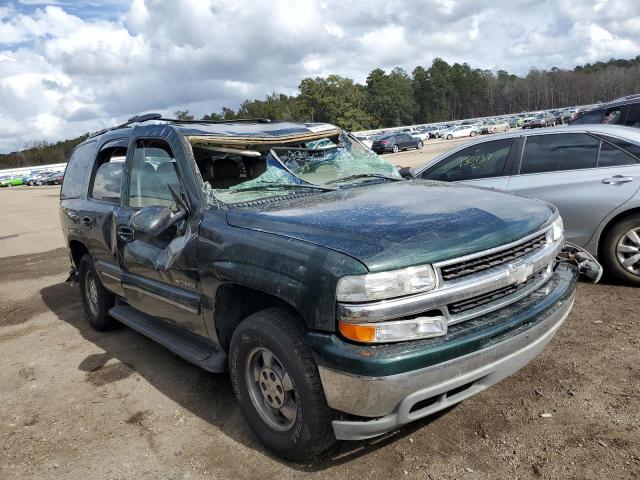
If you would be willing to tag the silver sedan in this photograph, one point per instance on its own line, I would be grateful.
(591, 173)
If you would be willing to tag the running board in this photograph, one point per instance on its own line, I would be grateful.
(189, 346)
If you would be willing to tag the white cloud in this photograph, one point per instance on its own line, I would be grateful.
(64, 71)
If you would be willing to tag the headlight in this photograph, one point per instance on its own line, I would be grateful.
(557, 229)
(394, 331)
(377, 286)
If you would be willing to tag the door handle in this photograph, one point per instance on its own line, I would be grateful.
(125, 234)
(617, 179)
(87, 222)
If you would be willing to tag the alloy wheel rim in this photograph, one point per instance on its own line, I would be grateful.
(91, 292)
(628, 251)
(271, 389)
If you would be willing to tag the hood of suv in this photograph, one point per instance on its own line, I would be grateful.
(400, 224)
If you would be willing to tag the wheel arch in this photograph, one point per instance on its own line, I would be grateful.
(235, 302)
(77, 250)
(620, 217)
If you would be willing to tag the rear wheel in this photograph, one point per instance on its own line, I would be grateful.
(420, 145)
(395, 149)
(621, 250)
(449, 137)
(96, 300)
(473, 133)
(277, 383)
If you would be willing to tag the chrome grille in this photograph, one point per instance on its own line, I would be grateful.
(479, 300)
(475, 265)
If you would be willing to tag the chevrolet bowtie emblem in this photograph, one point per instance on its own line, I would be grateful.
(520, 273)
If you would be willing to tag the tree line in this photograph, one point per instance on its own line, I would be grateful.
(441, 92)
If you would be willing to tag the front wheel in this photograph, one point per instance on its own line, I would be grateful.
(472, 134)
(449, 137)
(420, 145)
(621, 250)
(277, 383)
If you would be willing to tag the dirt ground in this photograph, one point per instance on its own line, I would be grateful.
(78, 404)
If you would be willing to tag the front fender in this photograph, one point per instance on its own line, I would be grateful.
(302, 274)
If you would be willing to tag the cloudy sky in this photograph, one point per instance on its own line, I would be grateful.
(67, 67)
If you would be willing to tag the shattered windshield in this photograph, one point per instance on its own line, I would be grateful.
(312, 167)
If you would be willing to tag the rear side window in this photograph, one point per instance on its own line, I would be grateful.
(106, 185)
(589, 117)
(611, 156)
(484, 160)
(633, 117)
(627, 146)
(551, 153)
(107, 179)
(76, 171)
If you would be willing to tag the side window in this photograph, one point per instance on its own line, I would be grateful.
(484, 160)
(613, 116)
(611, 156)
(589, 117)
(633, 117)
(627, 146)
(551, 153)
(152, 172)
(107, 180)
(76, 171)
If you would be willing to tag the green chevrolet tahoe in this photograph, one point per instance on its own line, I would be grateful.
(344, 299)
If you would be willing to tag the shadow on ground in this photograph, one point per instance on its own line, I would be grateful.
(207, 395)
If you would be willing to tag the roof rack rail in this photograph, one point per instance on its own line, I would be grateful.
(157, 116)
(237, 120)
(136, 119)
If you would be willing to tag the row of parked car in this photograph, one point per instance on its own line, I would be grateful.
(34, 179)
(395, 140)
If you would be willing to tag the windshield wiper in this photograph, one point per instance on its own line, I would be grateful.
(281, 186)
(363, 175)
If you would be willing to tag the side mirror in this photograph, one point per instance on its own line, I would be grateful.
(152, 221)
(406, 172)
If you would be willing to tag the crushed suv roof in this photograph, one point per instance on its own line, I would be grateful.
(258, 128)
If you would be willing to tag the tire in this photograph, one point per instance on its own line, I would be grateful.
(473, 133)
(617, 238)
(420, 145)
(96, 303)
(395, 149)
(449, 137)
(281, 334)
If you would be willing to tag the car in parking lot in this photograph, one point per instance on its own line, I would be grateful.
(540, 120)
(459, 132)
(590, 172)
(396, 142)
(11, 181)
(54, 178)
(439, 129)
(344, 300)
(498, 126)
(622, 111)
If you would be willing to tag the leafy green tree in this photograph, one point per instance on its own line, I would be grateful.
(390, 97)
(183, 115)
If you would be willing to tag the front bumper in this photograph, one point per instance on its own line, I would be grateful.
(397, 399)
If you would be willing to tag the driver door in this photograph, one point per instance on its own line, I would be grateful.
(159, 277)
